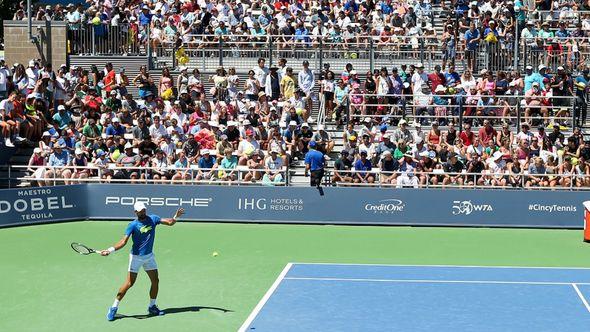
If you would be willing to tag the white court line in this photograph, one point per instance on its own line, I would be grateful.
(425, 281)
(581, 296)
(470, 266)
(265, 298)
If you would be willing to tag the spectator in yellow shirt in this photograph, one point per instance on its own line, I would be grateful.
(288, 84)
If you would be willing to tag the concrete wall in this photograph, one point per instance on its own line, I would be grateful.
(51, 45)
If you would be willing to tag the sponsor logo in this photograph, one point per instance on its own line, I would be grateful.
(468, 207)
(273, 204)
(159, 201)
(145, 229)
(35, 204)
(550, 208)
(386, 206)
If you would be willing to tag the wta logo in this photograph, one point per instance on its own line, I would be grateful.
(467, 207)
(386, 206)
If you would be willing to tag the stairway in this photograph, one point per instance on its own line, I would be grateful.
(19, 156)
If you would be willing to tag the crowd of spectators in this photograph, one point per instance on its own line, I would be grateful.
(555, 26)
(174, 130)
(250, 129)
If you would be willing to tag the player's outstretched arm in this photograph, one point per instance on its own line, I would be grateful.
(172, 221)
(117, 246)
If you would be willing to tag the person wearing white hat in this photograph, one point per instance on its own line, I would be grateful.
(562, 88)
(529, 33)
(142, 232)
(32, 73)
(128, 161)
(207, 165)
(36, 166)
(273, 166)
(324, 140)
(58, 160)
(80, 162)
(402, 132)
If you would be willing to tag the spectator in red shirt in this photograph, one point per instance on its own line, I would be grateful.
(109, 80)
(487, 132)
(467, 136)
(436, 78)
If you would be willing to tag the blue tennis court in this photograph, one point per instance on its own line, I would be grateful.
(339, 297)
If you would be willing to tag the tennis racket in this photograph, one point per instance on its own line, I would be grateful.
(82, 249)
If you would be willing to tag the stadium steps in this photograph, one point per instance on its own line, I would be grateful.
(20, 156)
(131, 64)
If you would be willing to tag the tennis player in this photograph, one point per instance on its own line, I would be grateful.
(143, 232)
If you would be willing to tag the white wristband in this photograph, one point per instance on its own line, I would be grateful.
(111, 249)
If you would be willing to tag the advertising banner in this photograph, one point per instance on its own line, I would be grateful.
(39, 205)
(447, 207)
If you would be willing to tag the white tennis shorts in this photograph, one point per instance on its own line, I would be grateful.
(148, 262)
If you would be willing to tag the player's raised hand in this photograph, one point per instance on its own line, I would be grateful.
(179, 213)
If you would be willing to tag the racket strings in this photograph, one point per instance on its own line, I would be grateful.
(80, 248)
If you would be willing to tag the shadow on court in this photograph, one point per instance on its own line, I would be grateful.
(170, 311)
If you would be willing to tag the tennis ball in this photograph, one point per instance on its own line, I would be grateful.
(215, 254)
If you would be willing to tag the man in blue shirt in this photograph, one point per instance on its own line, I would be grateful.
(62, 117)
(207, 165)
(58, 161)
(115, 129)
(363, 168)
(314, 162)
(472, 39)
(143, 232)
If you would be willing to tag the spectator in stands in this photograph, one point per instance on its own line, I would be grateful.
(407, 168)
(342, 167)
(273, 166)
(58, 162)
(363, 168)
(227, 167)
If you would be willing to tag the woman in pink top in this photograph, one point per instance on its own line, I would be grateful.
(166, 82)
(488, 83)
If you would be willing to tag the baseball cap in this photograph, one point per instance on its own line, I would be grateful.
(128, 146)
(312, 144)
(138, 206)
(305, 125)
(205, 151)
(61, 108)
(115, 120)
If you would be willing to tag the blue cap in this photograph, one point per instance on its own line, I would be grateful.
(100, 153)
(312, 144)
(383, 128)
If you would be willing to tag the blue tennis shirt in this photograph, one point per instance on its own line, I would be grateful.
(143, 234)
(314, 159)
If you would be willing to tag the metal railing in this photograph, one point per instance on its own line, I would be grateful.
(464, 108)
(105, 39)
(463, 180)
(241, 175)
